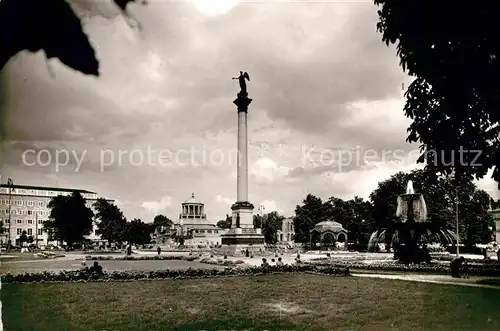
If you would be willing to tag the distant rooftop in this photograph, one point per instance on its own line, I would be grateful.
(46, 188)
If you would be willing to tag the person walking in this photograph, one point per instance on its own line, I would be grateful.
(159, 250)
(465, 269)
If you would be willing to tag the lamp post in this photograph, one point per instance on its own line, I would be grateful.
(456, 218)
(10, 184)
(36, 229)
(261, 210)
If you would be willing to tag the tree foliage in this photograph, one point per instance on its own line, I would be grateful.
(270, 224)
(138, 232)
(50, 26)
(355, 217)
(452, 50)
(162, 223)
(225, 224)
(23, 238)
(312, 211)
(111, 223)
(70, 219)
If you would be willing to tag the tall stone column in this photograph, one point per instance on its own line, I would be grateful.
(242, 209)
(242, 166)
(242, 236)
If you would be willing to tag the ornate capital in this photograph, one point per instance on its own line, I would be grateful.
(242, 205)
(242, 102)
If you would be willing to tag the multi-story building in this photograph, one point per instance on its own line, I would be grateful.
(496, 216)
(28, 207)
(287, 233)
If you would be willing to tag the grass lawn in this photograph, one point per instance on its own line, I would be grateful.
(271, 302)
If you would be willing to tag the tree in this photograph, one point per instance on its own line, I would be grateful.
(355, 216)
(312, 211)
(70, 219)
(51, 26)
(162, 223)
(495, 204)
(23, 238)
(271, 223)
(111, 223)
(138, 232)
(258, 220)
(2, 230)
(225, 224)
(454, 55)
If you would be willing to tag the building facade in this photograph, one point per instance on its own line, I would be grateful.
(193, 223)
(287, 233)
(496, 217)
(28, 208)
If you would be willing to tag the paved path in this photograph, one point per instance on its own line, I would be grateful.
(435, 279)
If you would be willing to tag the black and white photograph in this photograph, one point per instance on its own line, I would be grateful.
(256, 165)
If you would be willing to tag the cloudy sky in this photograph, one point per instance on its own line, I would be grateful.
(159, 123)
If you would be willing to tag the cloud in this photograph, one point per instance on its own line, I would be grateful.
(267, 170)
(157, 207)
(221, 199)
(270, 206)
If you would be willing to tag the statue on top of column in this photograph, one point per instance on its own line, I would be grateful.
(243, 84)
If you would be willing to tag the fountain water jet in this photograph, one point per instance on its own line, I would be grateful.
(411, 229)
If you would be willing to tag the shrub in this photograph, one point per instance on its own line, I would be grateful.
(74, 276)
(141, 258)
(481, 269)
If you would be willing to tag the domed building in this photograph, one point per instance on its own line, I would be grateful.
(327, 234)
(193, 226)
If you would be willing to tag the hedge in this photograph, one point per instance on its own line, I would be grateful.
(141, 258)
(222, 262)
(82, 276)
(487, 269)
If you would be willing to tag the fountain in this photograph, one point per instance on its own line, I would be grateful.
(411, 230)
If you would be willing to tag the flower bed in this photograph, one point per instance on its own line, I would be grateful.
(48, 255)
(222, 262)
(479, 269)
(141, 258)
(81, 276)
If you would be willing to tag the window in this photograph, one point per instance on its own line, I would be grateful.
(40, 221)
(30, 232)
(30, 212)
(6, 221)
(19, 221)
(6, 202)
(30, 203)
(40, 232)
(40, 203)
(30, 221)
(19, 231)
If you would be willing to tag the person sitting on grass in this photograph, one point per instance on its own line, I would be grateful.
(279, 263)
(264, 264)
(96, 269)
